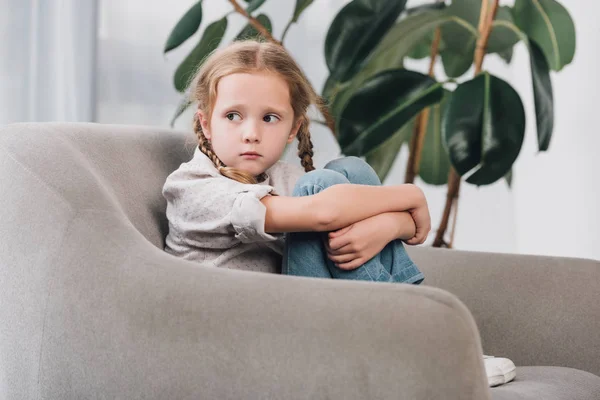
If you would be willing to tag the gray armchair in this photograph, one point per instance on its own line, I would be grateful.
(92, 307)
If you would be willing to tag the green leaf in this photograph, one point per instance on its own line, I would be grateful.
(213, 34)
(435, 162)
(549, 24)
(249, 32)
(355, 31)
(426, 7)
(253, 5)
(390, 52)
(183, 105)
(381, 106)
(502, 38)
(542, 95)
(508, 178)
(185, 28)
(301, 5)
(483, 128)
(382, 158)
(460, 36)
(423, 48)
(542, 89)
(457, 64)
(506, 55)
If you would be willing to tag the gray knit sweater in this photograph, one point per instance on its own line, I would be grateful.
(219, 222)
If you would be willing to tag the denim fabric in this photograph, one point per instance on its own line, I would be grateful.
(305, 253)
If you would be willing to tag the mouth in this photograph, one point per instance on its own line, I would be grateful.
(251, 154)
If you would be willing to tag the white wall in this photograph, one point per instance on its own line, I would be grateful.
(552, 208)
(557, 193)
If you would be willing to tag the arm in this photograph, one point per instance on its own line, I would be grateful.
(338, 206)
(400, 224)
(354, 245)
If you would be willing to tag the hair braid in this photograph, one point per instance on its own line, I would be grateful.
(206, 148)
(305, 147)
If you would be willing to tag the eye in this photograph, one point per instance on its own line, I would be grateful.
(270, 118)
(232, 116)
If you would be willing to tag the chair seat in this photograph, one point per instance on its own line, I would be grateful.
(549, 383)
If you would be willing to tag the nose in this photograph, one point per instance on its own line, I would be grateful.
(251, 133)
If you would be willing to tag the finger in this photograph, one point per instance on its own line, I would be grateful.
(339, 232)
(347, 249)
(340, 242)
(357, 262)
(415, 240)
(344, 258)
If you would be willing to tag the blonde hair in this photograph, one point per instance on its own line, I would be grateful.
(253, 56)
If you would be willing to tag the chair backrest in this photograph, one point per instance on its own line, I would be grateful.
(118, 168)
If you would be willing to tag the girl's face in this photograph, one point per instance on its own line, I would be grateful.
(252, 121)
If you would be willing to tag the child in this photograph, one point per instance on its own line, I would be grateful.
(235, 205)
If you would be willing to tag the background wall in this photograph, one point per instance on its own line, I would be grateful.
(553, 205)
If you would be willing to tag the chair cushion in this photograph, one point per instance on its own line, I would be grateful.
(549, 383)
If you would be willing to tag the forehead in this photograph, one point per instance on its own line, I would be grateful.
(261, 89)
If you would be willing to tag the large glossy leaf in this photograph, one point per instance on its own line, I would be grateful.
(253, 5)
(355, 31)
(549, 24)
(460, 36)
(301, 5)
(382, 158)
(542, 88)
(435, 163)
(249, 32)
(390, 52)
(185, 27)
(211, 38)
(381, 106)
(542, 95)
(483, 128)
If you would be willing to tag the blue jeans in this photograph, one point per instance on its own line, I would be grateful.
(305, 253)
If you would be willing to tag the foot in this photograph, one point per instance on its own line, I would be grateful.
(499, 370)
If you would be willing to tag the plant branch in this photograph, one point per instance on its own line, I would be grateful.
(254, 22)
(420, 129)
(486, 19)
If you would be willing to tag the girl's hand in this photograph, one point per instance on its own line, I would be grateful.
(351, 247)
(423, 223)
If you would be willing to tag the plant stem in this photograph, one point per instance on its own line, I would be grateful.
(486, 18)
(418, 136)
(263, 31)
(254, 22)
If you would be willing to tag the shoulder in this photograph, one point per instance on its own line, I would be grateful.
(283, 177)
(195, 173)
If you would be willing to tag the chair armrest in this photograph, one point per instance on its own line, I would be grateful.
(536, 310)
(90, 307)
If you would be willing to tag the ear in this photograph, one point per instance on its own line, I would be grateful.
(204, 124)
(295, 130)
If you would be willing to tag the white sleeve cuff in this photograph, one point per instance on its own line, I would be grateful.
(248, 215)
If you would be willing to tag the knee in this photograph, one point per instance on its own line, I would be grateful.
(355, 169)
(315, 181)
